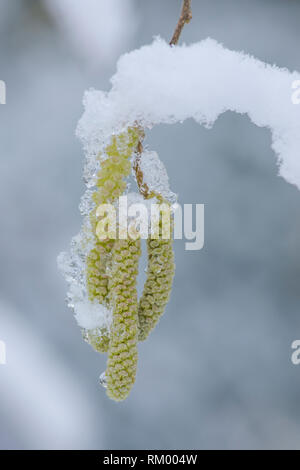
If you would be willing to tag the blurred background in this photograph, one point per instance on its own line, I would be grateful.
(217, 372)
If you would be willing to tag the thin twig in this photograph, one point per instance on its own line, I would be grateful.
(143, 187)
(185, 17)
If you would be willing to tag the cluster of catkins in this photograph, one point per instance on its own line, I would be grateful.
(111, 275)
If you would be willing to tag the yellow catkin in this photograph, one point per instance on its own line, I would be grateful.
(122, 352)
(158, 285)
(110, 185)
(97, 279)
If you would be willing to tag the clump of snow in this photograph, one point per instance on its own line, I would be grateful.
(90, 315)
(163, 84)
(72, 265)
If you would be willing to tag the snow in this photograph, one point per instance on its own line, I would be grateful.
(90, 316)
(162, 84)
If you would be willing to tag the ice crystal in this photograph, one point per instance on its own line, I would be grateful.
(155, 175)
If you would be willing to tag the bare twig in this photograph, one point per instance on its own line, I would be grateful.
(185, 17)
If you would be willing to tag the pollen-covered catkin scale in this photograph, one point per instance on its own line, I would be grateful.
(110, 185)
(158, 285)
(97, 280)
(122, 352)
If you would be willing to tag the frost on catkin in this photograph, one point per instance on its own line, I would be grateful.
(122, 351)
(98, 339)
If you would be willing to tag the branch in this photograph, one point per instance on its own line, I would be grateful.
(185, 17)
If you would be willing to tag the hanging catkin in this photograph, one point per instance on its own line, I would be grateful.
(122, 352)
(110, 185)
(158, 285)
(111, 272)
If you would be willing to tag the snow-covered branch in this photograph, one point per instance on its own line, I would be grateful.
(158, 84)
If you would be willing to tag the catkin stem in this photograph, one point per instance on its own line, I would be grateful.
(110, 185)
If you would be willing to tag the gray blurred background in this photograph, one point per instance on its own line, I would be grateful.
(216, 373)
